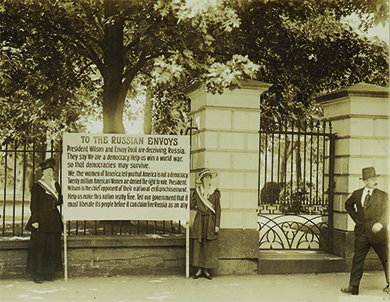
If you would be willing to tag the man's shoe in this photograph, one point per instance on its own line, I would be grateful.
(38, 280)
(386, 289)
(351, 290)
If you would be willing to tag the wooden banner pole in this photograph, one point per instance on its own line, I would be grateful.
(65, 253)
(187, 249)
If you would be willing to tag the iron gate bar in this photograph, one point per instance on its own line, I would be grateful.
(5, 186)
(318, 159)
(24, 184)
(266, 159)
(272, 155)
(285, 166)
(14, 195)
(299, 150)
(292, 158)
(259, 166)
(311, 159)
(323, 162)
(304, 153)
(279, 136)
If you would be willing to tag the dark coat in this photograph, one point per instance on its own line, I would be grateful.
(376, 210)
(44, 210)
(205, 220)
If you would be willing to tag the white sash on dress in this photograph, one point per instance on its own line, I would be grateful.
(48, 189)
(206, 202)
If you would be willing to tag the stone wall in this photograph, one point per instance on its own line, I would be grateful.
(105, 256)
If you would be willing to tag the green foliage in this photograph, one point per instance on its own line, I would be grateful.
(127, 42)
(41, 79)
(170, 112)
(62, 60)
(304, 48)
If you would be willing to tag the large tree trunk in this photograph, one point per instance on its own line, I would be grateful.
(113, 102)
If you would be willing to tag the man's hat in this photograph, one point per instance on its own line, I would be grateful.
(205, 172)
(368, 172)
(48, 163)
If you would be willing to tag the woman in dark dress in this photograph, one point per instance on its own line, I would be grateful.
(206, 201)
(44, 255)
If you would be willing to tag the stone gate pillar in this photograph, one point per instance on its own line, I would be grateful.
(227, 141)
(360, 117)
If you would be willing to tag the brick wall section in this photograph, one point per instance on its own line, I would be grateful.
(105, 256)
(360, 117)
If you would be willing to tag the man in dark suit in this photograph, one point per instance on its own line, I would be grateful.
(368, 207)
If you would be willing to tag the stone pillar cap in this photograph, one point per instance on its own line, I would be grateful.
(360, 89)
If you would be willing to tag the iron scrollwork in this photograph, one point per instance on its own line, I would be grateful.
(293, 232)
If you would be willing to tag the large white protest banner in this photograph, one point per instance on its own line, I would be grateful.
(125, 177)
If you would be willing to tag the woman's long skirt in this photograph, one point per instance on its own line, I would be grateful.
(44, 254)
(205, 254)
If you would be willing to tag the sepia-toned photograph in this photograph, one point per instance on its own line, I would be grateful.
(194, 150)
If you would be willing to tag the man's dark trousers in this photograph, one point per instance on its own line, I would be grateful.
(362, 246)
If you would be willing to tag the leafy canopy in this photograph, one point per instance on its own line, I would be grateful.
(61, 60)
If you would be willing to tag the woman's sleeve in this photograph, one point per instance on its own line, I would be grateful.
(193, 200)
(60, 199)
(218, 209)
(34, 203)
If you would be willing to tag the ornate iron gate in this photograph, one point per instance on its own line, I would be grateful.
(296, 187)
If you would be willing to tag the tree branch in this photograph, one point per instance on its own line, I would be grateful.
(129, 46)
(92, 55)
(129, 78)
(88, 12)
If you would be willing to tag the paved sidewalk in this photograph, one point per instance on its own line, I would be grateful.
(282, 288)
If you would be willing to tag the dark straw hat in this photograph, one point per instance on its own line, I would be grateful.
(205, 172)
(368, 172)
(48, 163)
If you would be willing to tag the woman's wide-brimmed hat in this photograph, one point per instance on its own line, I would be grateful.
(368, 172)
(48, 163)
(205, 172)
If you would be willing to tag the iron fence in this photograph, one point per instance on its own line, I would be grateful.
(18, 172)
(296, 186)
